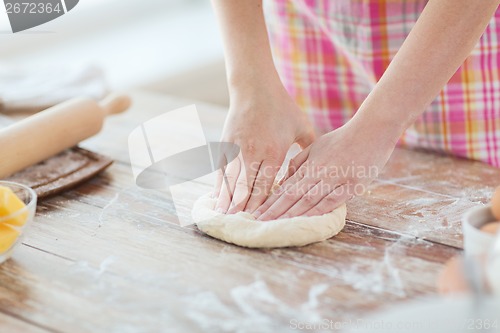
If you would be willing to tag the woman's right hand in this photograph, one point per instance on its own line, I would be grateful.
(263, 119)
(263, 122)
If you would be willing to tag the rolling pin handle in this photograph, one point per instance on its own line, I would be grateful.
(114, 103)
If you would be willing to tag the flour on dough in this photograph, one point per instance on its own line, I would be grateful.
(242, 228)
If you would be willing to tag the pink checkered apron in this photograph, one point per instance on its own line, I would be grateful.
(330, 54)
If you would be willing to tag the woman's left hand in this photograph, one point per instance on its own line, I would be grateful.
(336, 167)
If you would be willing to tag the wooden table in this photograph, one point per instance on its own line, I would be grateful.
(111, 257)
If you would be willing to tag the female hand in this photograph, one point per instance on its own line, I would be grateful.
(263, 124)
(338, 166)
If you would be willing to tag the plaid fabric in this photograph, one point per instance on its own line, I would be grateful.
(330, 54)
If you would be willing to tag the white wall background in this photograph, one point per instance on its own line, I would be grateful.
(171, 46)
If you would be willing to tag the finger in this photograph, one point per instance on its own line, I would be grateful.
(220, 177)
(287, 199)
(309, 200)
(243, 187)
(263, 184)
(332, 201)
(222, 154)
(306, 138)
(277, 192)
(230, 175)
(295, 163)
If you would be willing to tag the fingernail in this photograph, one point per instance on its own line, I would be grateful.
(220, 210)
(277, 190)
(284, 216)
(257, 213)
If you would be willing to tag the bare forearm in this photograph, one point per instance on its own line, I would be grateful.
(246, 44)
(441, 40)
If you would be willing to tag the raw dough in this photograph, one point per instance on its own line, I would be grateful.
(242, 228)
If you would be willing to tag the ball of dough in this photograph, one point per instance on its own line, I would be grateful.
(242, 229)
(495, 204)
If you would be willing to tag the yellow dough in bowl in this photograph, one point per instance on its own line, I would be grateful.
(11, 205)
(8, 236)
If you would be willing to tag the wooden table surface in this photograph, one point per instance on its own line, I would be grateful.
(112, 257)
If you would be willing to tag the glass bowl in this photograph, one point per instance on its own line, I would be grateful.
(13, 226)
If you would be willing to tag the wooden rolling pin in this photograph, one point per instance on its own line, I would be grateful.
(49, 132)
